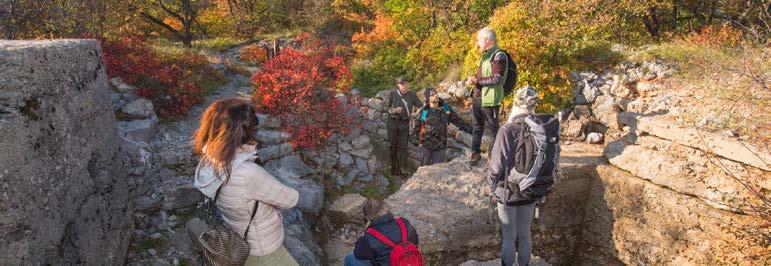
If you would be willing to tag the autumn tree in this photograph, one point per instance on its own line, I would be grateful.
(184, 12)
(31, 19)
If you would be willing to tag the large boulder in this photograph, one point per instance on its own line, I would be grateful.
(635, 222)
(347, 209)
(449, 206)
(65, 198)
(686, 170)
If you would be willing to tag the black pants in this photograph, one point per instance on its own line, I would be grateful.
(398, 137)
(481, 116)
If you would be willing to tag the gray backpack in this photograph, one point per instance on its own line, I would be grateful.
(536, 156)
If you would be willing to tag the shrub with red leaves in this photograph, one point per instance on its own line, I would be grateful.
(254, 54)
(170, 82)
(299, 86)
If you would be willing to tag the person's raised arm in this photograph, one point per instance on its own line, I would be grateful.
(270, 191)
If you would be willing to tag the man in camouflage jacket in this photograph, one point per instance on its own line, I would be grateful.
(430, 128)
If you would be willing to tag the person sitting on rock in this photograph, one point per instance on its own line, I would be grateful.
(248, 197)
(369, 249)
(430, 129)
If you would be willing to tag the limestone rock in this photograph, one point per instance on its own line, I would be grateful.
(382, 94)
(345, 160)
(311, 193)
(347, 209)
(458, 90)
(65, 196)
(361, 165)
(725, 147)
(594, 138)
(274, 152)
(271, 136)
(139, 130)
(139, 108)
(686, 170)
(376, 104)
(631, 215)
(289, 167)
(145, 203)
(345, 146)
(365, 152)
(182, 196)
(447, 202)
(360, 142)
(266, 121)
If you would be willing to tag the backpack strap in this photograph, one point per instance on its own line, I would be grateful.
(402, 228)
(381, 237)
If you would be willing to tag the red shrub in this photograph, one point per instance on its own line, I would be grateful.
(299, 87)
(254, 54)
(170, 82)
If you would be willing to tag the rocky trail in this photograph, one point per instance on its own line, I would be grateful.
(636, 185)
(171, 199)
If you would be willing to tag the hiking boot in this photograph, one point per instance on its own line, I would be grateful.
(475, 157)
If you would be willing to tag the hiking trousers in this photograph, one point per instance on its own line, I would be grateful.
(483, 116)
(515, 226)
(398, 137)
(429, 157)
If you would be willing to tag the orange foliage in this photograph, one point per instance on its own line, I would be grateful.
(716, 36)
(366, 43)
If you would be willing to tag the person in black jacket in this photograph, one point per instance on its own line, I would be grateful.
(371, 251)
(514, 211)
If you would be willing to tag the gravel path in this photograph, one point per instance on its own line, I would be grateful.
(160, 237)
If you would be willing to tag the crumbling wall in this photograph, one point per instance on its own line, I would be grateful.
(64, 197)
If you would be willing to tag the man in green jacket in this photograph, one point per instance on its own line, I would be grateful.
(487, 91)
(400, 104)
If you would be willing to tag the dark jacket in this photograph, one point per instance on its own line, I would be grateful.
(430, 128)
(502, 161)
(378, 253)
(394, 100)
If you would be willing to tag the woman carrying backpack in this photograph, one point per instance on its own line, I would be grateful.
(228, 172)
(389, 240)
(515, 210)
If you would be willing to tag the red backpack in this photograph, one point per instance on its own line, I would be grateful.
(403, 254)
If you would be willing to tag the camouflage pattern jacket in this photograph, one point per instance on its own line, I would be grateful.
(430, 126)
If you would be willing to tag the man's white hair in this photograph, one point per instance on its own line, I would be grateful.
(488, 33)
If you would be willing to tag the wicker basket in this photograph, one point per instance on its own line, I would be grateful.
(222, 246)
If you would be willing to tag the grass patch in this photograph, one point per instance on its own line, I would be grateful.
(159, 244)
(185, 262)
(285, 34)
(166, 47)
(218, 44)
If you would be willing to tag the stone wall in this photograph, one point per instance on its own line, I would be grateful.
(64, 188)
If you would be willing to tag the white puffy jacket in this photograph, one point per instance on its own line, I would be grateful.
(248, 184)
